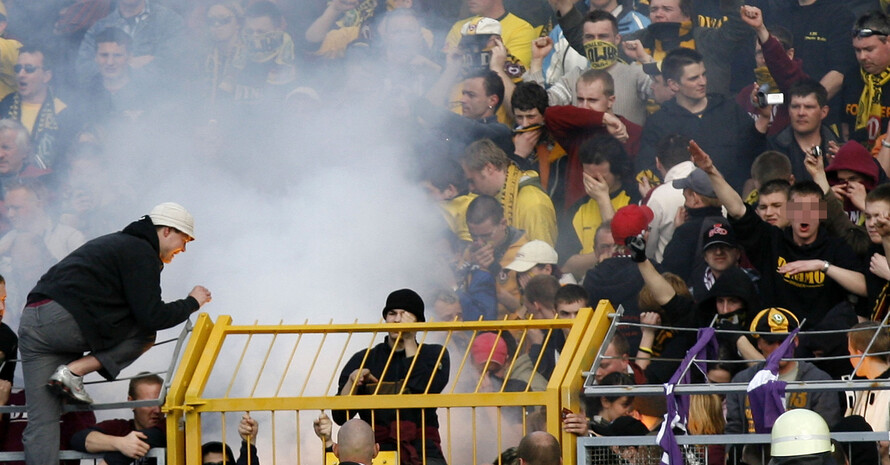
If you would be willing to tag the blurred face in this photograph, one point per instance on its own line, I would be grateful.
(603, 170)
(601, 30)
(727, 305)
(690, 199)
(259, 26)
(772, 209)
(12, 158)
(719, 375)
(147, 417)
(448, 311)
(22, 208)
(758, 55)
(804, 212)
(693, 84)
(474, 104)
(487, 181)
(526, 118)
(605, 245)
(32, 78)
(488, 232)
(666, 11)
(875, 209)
(847, 176)
(806, 114)
(661, 92)
(590, 96)
(222, 25)
(171, 242)
(113, 59)
(479, 7)
(721, 257)
(2, 300)
(524, 277)
(398, 315)
(568, 311)
(212, 457)
(617, 408)
(855, 358)
(610, 364)
(873, 53)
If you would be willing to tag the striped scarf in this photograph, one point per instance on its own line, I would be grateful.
(42, 135)
(870, 100)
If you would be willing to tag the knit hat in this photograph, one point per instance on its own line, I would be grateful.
(774, 320)
(719, 233)
(482, 348)
(173, 215)
(629, 221)
(407, 300)
(531, 254)
(480, 26)
(698, 181)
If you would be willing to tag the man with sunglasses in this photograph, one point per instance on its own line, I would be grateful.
(47, 118)
(105, 299)
(867, 100)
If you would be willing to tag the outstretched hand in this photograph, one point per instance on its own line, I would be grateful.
(700, 158)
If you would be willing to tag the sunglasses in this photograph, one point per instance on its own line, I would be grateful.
(216, 22)
(28, 68)
(866, 32)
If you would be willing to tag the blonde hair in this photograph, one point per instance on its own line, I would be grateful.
(706, 414)
(647, 301)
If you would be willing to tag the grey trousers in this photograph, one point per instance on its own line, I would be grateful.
(49, 337)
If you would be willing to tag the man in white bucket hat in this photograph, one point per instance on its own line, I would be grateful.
(104, 298)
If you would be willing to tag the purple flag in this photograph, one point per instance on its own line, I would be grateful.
(678, 406)
(766, 394)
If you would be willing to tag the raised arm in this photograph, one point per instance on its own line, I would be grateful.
(730, 199)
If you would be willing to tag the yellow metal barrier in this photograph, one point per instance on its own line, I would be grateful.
(288, 370)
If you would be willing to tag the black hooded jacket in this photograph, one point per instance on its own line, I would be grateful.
(112, 284)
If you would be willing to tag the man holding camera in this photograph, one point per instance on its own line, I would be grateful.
(807, 109)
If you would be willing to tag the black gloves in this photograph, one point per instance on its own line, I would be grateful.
(637, 246)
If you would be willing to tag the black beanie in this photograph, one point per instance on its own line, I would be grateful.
(407, 300)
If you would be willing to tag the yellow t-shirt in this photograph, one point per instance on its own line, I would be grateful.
(516, 33)
(9, 55)
(31, 110)
(587, 219)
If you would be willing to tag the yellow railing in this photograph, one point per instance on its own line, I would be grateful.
(292, 370)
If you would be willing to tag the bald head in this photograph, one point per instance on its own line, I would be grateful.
(355, 442)
(539, 448)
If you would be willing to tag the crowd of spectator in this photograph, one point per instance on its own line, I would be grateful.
(697, 162)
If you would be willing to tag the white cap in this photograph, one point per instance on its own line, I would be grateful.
(800, 432)
(531, 254)
(481, 26)
(173, 215)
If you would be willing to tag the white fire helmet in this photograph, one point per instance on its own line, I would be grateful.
(800, 432)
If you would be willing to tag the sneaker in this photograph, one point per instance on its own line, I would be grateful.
(65, 383)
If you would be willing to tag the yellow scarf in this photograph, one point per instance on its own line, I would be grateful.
(762, 76)
(870, 100)
(509, 192)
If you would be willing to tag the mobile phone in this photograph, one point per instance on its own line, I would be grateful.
(566, 412)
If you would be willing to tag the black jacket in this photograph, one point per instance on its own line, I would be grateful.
(724, 130)
(112, 284)
(784, 142)
(618, 280)
(684, 252)
(808, 295)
